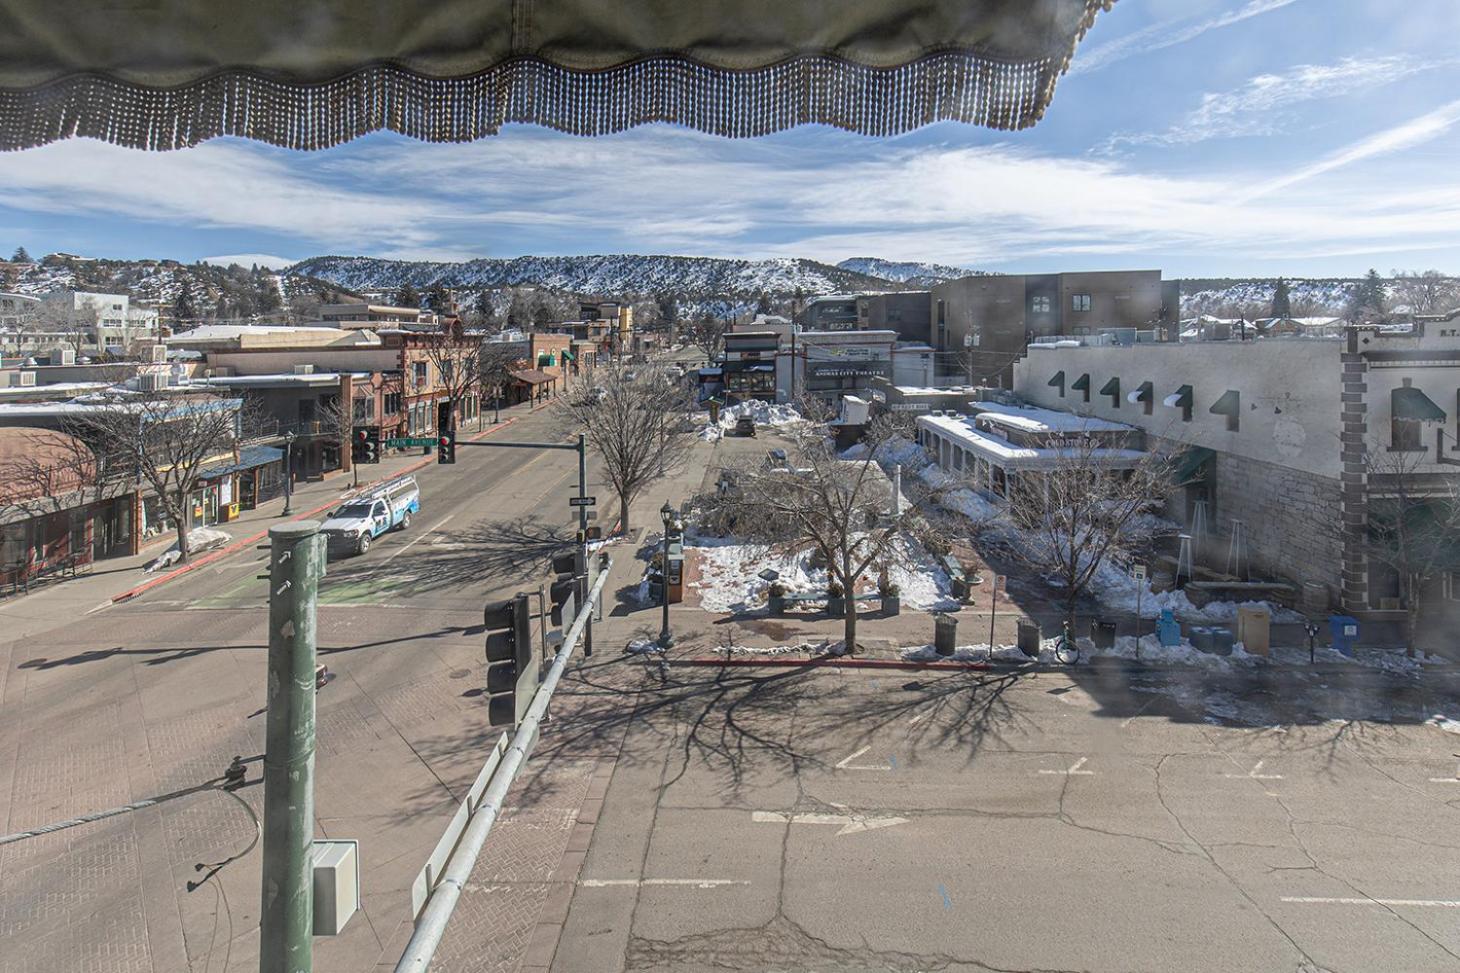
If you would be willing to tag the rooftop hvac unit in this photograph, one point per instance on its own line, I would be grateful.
(303, 369)
(22, 379)
(222, 371)
(152, 381)
(63, 356)
(159, 354)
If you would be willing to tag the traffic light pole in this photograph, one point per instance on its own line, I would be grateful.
(286, 924)
(431, 925)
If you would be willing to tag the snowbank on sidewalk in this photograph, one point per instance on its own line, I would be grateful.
(200, 539)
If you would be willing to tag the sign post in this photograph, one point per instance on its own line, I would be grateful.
(1138, 575)
(994, 607)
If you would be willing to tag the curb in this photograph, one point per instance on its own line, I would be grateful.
(830, 662)
(239, 545)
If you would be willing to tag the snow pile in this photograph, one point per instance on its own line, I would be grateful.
(711, 433)
(200, 539)
(1117, 591)
(967, 653)
(959, 499)
(643, 647)
(809, 649)
(895, 451)
(764, 414)
(729, 574)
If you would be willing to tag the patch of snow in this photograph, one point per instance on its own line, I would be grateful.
(764, 414)
(200, 539)
(643, 647)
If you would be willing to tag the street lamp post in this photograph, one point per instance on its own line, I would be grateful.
(288, 472)
(666, 514)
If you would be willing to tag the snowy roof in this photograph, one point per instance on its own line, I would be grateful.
(283, 378)
(59, 388)
(960, 429)
(222, 332)
(962, 392)
(1034, 419)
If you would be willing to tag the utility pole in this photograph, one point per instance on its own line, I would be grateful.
(286, 923)
(583, 481)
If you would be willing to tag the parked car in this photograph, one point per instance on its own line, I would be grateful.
(354, 527)
(745, 426)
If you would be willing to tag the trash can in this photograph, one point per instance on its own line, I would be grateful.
(1168, 629)
(1201, 639)
(1344, 631)
(1254, 630)
(1028, 638)
(1222, 641)
(945, 634)
(1102, 633)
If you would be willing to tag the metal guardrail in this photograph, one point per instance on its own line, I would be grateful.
(431, 925)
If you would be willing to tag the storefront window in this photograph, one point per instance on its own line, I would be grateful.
(155, 519)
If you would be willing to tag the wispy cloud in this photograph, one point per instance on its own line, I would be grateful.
(1257, 107)
(670, 191)
(1414, 132)
(269, 260)
(1167, 34)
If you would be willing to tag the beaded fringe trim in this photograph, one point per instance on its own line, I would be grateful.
(824, 90)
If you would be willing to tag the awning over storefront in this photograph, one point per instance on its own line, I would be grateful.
(1111, 388)
(1410, 403)
(533, 376)
(249, 457)
(1192, 465)
(163, 75)
(1142, 392)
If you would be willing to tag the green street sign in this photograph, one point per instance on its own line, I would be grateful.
(412, 441)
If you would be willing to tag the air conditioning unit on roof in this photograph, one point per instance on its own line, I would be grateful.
(22, 379)
(159, 354)
(303, 369)
(152, 381)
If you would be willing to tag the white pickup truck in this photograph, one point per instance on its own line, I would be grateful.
(352, 528)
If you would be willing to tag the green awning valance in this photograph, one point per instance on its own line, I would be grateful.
(1230, 404)
(1410, 403)
(1192, 465)
(162, 74)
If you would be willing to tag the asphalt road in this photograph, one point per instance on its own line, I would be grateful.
(156, 695)
(851, 820)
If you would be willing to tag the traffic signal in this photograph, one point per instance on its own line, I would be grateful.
(511, 664)
(365, 447)
(562, 593)
(446, 447)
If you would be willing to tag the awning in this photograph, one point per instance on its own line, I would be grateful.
(163, 74)
(1191, 465)
(1142, 393)
(1180, 399)
(1112, 389)
(1081, 384)
(1410, 403)
(761, 368)
(533, 376)
(1058, 381)
(249, 457)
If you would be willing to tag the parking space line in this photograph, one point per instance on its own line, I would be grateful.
(1138, 712)
(1419, 903)
(1074, 770)
(846, 762)
(698, 883)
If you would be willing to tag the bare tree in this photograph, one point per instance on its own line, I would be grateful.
(164, 439)
(454, 357)
(842, 509)
(495, 362)
(1427, 291)
(1077, 513)
(337, 420)
(639, 427)
(708, 334)
(1414, 525)
(74, 327)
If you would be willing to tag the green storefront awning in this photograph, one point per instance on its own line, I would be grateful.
(1191, 466)
(1410, 403)
(1058, 382)
(1111, 387)
(1082, 384)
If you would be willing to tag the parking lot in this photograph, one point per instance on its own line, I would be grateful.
(851, 819)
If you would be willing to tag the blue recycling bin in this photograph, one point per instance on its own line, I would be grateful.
(1168, 629)
(1344, 632)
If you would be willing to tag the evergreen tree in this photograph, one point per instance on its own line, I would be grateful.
(483, 310)
(1369, 299)
(407, 296)
(438, 298)
(763, 303)
(21, 256)
(668, 311)
(1282, 306)
(183, 306)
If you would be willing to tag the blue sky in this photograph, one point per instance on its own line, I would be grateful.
(1202, 137)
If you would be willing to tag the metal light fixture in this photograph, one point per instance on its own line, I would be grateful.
(666, 514)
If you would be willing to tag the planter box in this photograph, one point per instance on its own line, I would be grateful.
(776, 605)
(891, 604)
(836, 607)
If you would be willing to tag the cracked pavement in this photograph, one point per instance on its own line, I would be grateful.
(1053, 821)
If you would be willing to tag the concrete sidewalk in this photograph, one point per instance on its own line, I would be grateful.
(117, 578)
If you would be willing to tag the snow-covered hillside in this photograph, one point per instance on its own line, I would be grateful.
(913, 273)
(610, 275)
(1308, 297)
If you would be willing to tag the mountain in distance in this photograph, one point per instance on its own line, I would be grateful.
(609, 275)
(912, 273)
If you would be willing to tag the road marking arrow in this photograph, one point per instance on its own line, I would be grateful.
(850, 823)
(1074, 770)
(1254, 774)
(846, 762)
